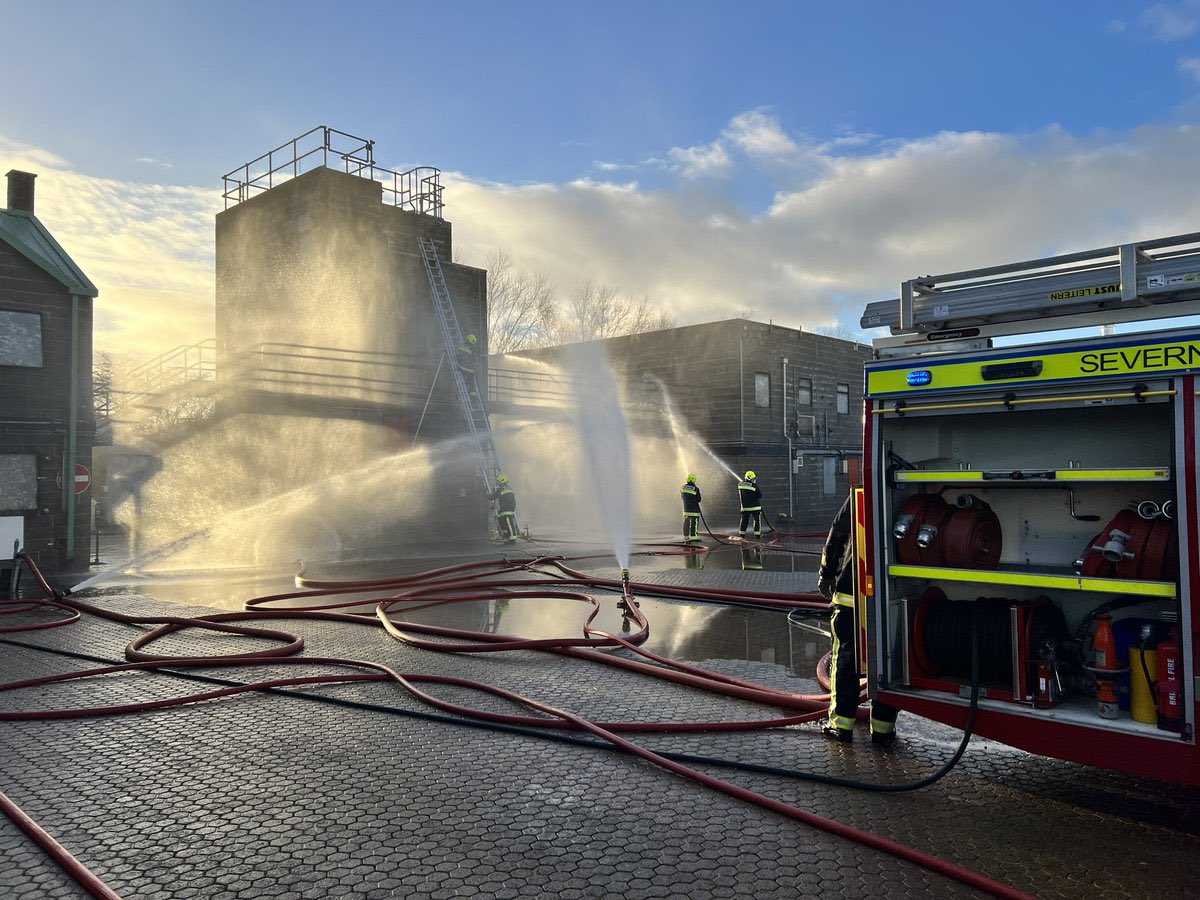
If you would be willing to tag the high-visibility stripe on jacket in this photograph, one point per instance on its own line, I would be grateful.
(751, 496)
(691, 498)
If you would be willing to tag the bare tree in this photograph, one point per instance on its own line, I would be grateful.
(525, 312)
(521, 305)
(597, 311)
(838, 330)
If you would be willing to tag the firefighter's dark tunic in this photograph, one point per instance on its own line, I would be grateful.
(690, 493)
(751, 501)
(836, 579)
(506, 511)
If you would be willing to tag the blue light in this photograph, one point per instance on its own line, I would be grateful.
(920, 378)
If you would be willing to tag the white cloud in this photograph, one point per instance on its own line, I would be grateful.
(1166, 22)
(759, 134)
(854, 230)
(842, 229)
(707, 161)
(1190, 66)
(148, 249)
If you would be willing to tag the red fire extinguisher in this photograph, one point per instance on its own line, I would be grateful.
(1170, 684)
(1104, 646)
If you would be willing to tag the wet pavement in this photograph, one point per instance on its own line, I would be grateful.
(359, 790)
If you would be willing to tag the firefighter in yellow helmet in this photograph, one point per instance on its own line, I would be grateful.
(506, 509)
(690, 492)
(751, 504)
(466, 362)
(835, 581)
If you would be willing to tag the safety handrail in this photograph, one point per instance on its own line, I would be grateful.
(417, 190)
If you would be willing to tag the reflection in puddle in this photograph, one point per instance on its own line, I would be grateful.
(679, 629)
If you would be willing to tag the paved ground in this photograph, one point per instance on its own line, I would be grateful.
(359, 791)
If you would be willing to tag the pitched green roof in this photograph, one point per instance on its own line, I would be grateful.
(29, 237)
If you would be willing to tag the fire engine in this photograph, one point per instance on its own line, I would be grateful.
(1028, 518)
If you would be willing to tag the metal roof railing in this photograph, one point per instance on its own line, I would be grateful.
(417, 190)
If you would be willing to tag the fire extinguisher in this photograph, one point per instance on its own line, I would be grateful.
(1048, 688)
(1170, 686)
(1104, 645)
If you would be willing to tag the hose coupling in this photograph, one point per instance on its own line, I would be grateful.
(903, 523)
(1114, 549)
(926, 535)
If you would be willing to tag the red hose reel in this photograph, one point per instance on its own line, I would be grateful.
(931, 532)
(1134, 547)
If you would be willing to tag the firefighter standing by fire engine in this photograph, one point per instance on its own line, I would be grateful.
(690, 492)
(751, 504)
(835, 581)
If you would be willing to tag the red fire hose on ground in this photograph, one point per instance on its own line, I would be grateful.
(468, 582)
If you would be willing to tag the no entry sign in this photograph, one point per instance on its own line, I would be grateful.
(83, 478)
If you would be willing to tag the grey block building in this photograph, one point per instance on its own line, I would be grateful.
(782, 402)
(45, 386)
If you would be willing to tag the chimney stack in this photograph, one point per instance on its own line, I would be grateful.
(20, 190)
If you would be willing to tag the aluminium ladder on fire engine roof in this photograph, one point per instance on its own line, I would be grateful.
(962, 310)
(472, 401)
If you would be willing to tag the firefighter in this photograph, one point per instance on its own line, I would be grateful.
(506, 509)
(690, 492)
(751, 501)
(835, 581)
(466, 361)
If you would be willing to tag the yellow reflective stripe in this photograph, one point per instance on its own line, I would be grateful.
(692, 515)
(843, 722)
(1112, 474)
(1162, 357)
(878, 727)
(951, 475)
(1059, 475)
(751, 509)
(843, 599)
(1062, 582)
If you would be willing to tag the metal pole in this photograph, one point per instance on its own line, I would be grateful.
(742, 390)
(788, 436)
(429, 397)
(72, 420)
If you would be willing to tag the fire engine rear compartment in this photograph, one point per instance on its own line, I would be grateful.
(1046, 470)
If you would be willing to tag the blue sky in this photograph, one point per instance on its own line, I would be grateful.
(796, 159)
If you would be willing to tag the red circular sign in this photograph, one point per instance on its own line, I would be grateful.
(83, 478)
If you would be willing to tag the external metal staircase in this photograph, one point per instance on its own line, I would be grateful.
(469, 395)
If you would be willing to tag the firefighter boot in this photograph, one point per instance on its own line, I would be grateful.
(843, 735)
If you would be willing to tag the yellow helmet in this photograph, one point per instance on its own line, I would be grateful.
(471, 339)
(750, 476)
(691, 479)
(501, 479)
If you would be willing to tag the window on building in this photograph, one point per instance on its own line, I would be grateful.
(762, 389)
(843, 399)
(804, 392)
(20, 339)
(18, 481)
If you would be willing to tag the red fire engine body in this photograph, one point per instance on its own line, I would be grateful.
(1028, 516)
